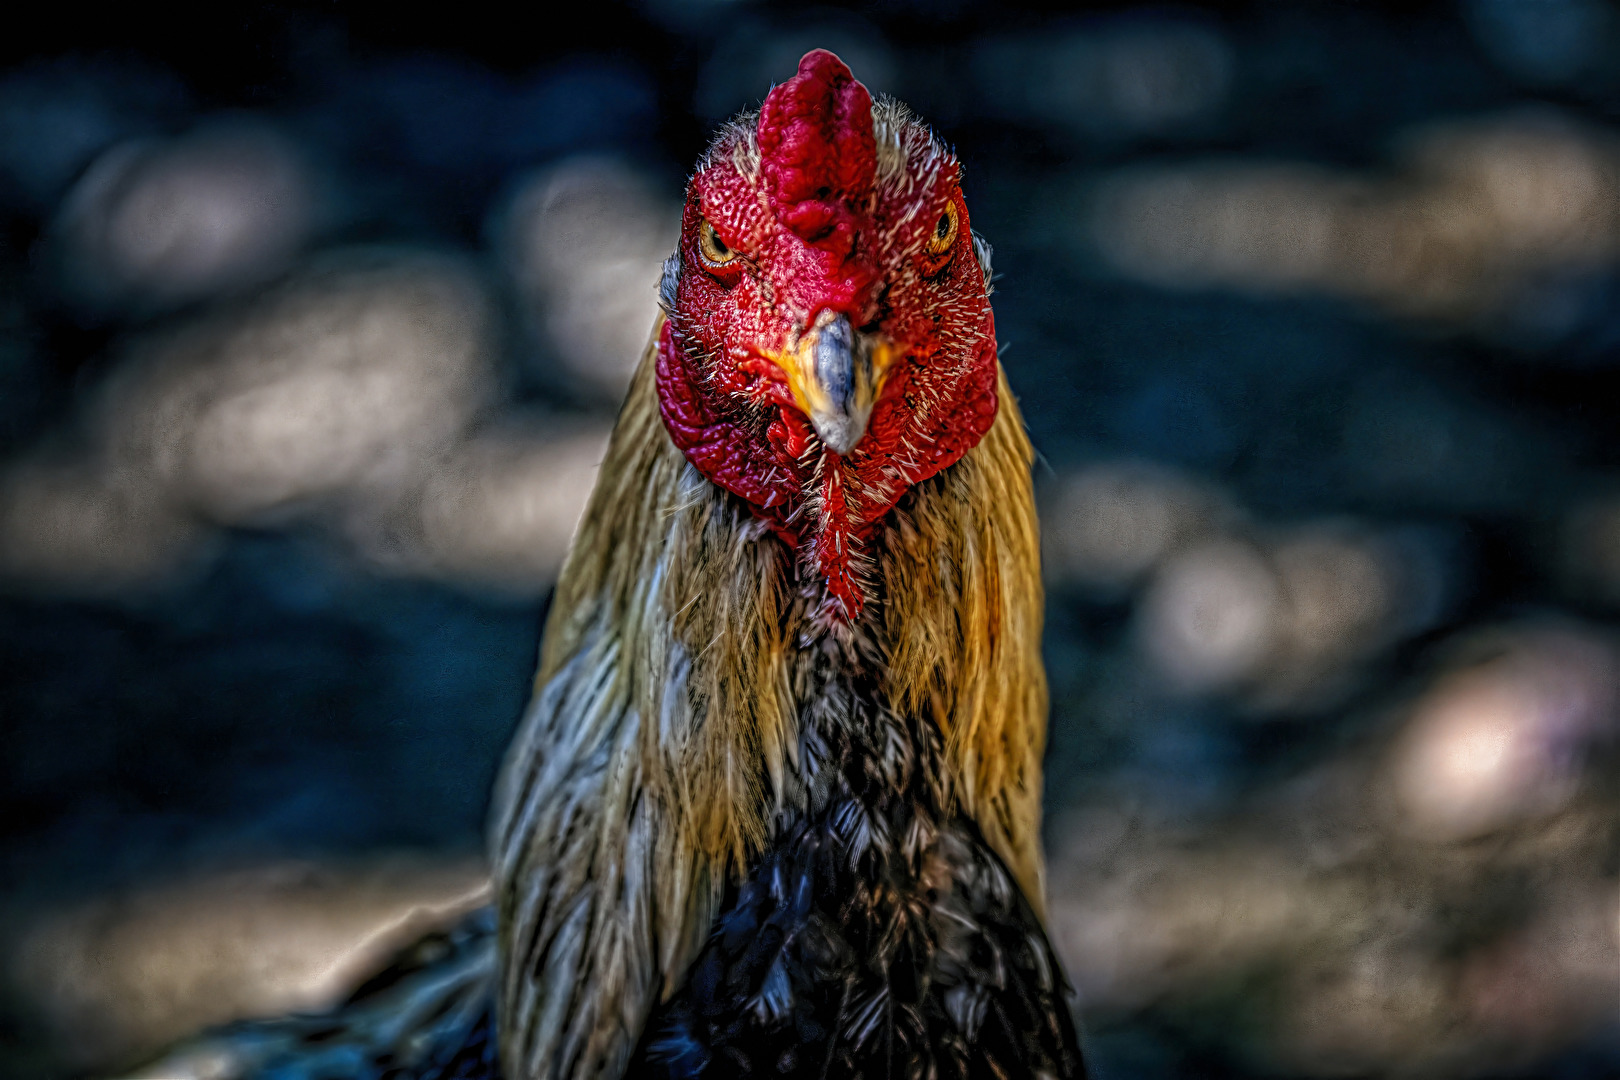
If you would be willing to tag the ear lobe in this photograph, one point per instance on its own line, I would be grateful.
(981, 252)
(669, 282)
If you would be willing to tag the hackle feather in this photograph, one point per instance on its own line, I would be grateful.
(663, 733)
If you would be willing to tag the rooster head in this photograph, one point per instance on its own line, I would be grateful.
(829, 342)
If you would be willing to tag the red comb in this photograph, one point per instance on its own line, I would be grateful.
(816, 146)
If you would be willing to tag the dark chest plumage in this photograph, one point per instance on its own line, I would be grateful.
(878, 935)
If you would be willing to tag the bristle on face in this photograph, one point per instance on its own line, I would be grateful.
(826, 208)
(817, 150)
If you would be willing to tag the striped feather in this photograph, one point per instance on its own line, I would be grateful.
(663, 738)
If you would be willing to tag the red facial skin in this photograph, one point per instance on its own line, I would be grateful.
(816, 229)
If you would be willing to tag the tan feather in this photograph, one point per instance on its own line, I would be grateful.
(661, 738)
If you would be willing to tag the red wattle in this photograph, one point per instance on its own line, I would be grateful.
(764, 463)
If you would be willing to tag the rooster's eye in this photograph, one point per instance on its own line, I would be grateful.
(944, 235)
(714, 250)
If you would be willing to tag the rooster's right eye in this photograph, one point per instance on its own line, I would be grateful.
(715, 252)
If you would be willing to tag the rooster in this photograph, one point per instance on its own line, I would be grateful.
(774, 808)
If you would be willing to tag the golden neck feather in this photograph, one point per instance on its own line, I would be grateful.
(662, 735)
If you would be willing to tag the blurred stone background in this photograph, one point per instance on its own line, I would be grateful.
(312, 325)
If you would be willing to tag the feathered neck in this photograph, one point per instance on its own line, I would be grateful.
(693, 577)
(661, 743)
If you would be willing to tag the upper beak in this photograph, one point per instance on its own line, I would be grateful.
(836, 374)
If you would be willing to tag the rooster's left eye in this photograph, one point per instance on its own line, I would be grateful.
(714, 250)
(944, 235)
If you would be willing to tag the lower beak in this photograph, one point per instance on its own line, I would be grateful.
(835, 376)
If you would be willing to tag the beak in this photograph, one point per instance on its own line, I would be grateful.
(836, 374)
